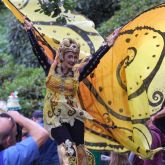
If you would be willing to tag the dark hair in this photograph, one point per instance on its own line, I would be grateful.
(119, 159)
(37, 114)
(162, 105)
(160, 122)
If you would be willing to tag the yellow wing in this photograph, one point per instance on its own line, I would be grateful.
(127, 87)
(77, 27)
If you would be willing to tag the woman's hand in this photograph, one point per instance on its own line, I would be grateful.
(112, 37)
(28, 24)
(55, 62)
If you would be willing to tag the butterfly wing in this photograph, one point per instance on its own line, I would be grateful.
(77, 27)
(127, 87)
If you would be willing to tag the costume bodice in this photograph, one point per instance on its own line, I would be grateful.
(60, 104)
(56, 83)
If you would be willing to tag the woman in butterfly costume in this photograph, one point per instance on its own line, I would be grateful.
(126, 88)
(63, 115)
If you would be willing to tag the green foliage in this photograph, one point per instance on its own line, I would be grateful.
(1, 6)
(98, 10)
(53, 8)
(129, 10)
(3, 40)
(17, 37)
(29, 83)
(16, 71)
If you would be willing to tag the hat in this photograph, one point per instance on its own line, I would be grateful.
(13, 102)
(37, 114)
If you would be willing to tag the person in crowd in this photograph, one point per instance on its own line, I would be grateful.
(63, 116)
(48, 151)
(26, 151)
(119, 159)
(156, 126)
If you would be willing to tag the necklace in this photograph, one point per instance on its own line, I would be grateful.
(59, 70)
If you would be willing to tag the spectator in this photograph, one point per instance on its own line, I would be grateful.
(48, 152)
(26, 151)
(37, 116)
(119, 159)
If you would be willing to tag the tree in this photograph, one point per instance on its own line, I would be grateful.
(129, 10)
(19, 46)
(54, 8)
(28, 81)
(15, 74)
(98, 11)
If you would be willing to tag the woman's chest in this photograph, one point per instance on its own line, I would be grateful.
(65, 85)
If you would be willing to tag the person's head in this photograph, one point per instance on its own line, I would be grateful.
(119, 159)
(8, 131)
(37, 116)
(69, 52)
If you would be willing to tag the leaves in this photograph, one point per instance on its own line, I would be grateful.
(129, 10)
(53, 8)
(29, 82)
(17, 38)
(18, 66)
(98, 11)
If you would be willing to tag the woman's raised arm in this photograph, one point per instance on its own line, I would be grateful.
(94, 59)
(37, 49)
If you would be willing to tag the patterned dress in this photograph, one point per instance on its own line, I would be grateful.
(60, 104)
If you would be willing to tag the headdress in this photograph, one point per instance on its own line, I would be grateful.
(13, 102)
(68, 45)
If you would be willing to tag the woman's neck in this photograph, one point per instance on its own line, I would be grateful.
(65, 70)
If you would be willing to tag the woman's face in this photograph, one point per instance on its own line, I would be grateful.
(70, 59)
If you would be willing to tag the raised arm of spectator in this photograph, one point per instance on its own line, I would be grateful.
(39, 134)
